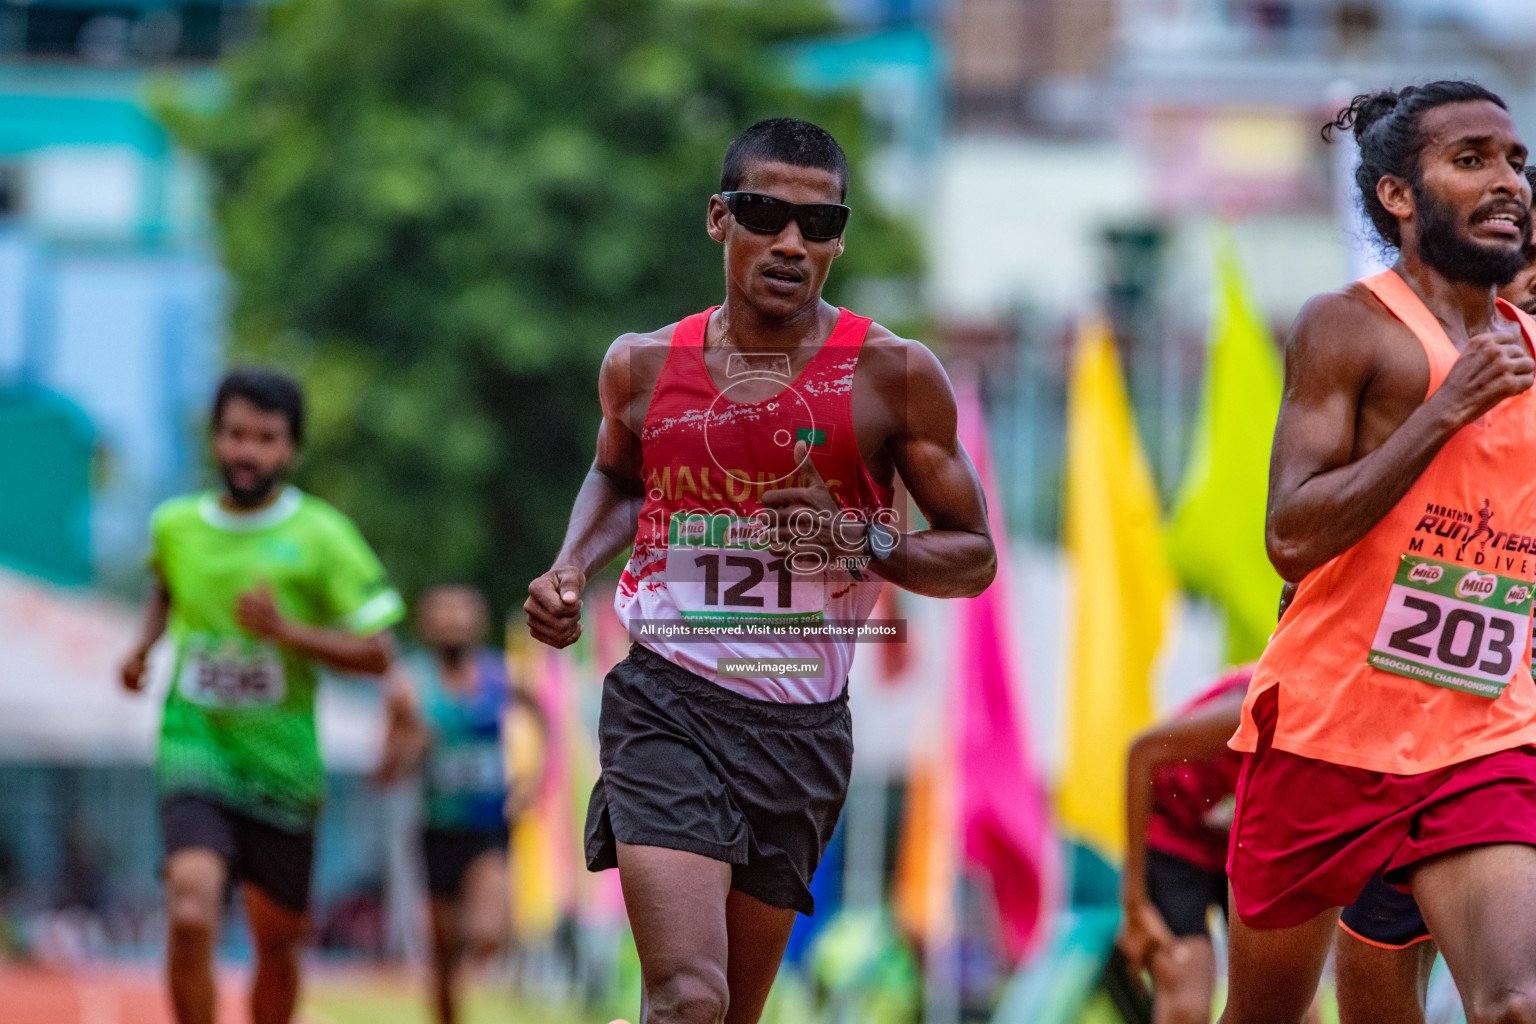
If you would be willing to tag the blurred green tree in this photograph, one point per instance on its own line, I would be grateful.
(439, 213)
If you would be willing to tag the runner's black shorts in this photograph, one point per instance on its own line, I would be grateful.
(1383, 915)
(690, 765)
(1183, 892)
(449, 852)
(278, 863)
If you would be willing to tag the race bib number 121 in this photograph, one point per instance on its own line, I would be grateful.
(1453, 626)
(720, 571)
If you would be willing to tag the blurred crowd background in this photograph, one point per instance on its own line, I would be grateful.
(438, 213)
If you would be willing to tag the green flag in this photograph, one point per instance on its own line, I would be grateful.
(1216, 537)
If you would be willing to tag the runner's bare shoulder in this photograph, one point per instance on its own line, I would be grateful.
(893, 363)
(630, 370)
(1339, 340)
(900, 391)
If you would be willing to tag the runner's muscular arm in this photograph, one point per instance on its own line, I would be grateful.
(1321, 502)
(405, 735)
(364, 654)
(955, 556)
(606, 512)
(1198, 736)
(157, 611)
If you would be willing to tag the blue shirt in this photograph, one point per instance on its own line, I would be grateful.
(464, 781)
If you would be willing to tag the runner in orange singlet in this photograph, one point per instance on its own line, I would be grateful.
(1383, 954)
(748, 454)
(1390, 721)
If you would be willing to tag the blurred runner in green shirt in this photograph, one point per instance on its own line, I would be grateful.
(258, 583)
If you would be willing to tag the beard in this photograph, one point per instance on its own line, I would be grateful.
(1446, 249)
(252, 494)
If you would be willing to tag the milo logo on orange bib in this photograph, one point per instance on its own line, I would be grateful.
(1455, 626)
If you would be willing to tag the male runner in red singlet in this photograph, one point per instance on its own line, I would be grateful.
(1389, 724)
(775, 419)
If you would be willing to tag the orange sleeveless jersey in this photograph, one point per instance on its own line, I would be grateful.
(1410, 651)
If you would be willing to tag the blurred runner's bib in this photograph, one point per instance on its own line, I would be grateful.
(471, 768)
(229, 674)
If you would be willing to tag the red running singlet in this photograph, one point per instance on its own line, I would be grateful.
(701, 559)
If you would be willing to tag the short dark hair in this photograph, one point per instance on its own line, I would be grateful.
(269, 391)
(1386, 127)
(784, 140)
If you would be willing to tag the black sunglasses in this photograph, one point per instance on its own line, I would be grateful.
(819, 222)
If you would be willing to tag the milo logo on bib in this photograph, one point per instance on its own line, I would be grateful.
(1477, 586)
(1453, 626)
(1424, 572)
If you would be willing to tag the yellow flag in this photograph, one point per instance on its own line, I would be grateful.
(1123, 590)
(1216, 538)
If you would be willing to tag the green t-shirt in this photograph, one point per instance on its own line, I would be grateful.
(239, 723)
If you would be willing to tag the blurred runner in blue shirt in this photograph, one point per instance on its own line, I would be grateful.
(449, 705)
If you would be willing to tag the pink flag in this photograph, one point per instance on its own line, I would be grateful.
(1004, 813)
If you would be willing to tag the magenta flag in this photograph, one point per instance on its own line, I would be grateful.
(1004, 813)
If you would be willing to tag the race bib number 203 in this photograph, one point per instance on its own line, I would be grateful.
(1454, 626)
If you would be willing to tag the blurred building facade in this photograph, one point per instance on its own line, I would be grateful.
(110, 294)
(1090, 146)
(112, 319)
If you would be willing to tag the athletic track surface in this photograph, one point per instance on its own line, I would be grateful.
(104, 995)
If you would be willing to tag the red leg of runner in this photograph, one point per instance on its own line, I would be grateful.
(1273, 972)
(1381, 986)
(757, 935)
(194, 890)
(277, 934)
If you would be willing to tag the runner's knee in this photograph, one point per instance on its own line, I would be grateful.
(276, 932)
(1181, 1006)
(192, 913)
(1515, 1007)
(483, 941)
(189, 928)
(1183, 989)
(278, 938)
(688, 996)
